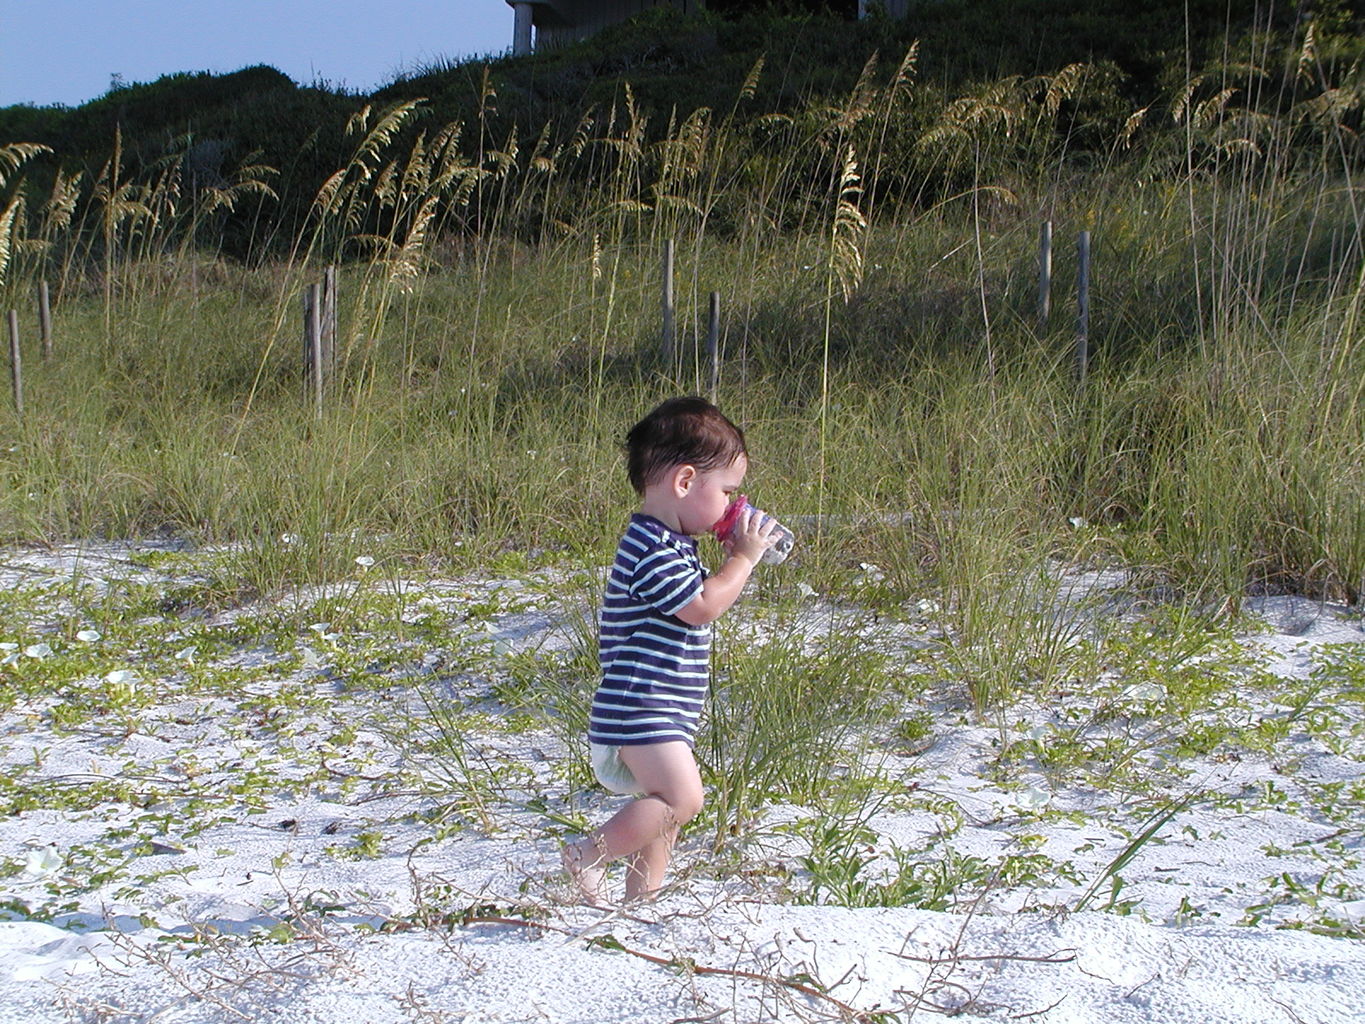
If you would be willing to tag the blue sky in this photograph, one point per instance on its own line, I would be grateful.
(67, 51)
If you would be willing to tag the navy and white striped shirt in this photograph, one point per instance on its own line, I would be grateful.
(654, 665)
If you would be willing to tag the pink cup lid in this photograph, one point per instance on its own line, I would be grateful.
(727, 522)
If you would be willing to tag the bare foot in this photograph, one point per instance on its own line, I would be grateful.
(587, 871)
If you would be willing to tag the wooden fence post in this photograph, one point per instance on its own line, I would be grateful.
(1045, 273)
(312, 346)
(713, 345)
(16, 370)
(1082, 306)
(668, 345)
(45, 319)
(329, 320)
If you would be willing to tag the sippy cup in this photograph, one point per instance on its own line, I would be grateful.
(785, 538)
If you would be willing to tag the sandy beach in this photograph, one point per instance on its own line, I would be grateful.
(216, 814)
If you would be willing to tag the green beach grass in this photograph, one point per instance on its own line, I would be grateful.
(876, 258)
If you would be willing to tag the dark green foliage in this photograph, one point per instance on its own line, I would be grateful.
(662, 66)
(256, 115)
(973, 40)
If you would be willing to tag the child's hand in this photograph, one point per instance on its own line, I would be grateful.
(744, 546)
(752, 535)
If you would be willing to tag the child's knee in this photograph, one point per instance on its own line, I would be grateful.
(688, 805)
(680, 807)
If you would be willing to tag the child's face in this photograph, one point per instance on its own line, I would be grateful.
(708, 494)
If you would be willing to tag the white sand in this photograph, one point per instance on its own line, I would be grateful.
(187, 925)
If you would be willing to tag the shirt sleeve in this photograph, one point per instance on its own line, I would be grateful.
(667, 579)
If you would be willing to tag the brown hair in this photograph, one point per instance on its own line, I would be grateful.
(678, 432)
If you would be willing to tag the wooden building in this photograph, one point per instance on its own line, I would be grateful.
(544, 24)
(557, 22)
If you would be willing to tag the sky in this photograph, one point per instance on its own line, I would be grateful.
(70, 51)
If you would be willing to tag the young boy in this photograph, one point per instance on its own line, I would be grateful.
(686, 461)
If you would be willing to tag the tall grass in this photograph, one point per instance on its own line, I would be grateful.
(785, 718)
(876, 257)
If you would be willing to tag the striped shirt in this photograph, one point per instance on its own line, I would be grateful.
(654, 665)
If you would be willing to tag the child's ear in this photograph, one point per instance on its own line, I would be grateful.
(683, 479)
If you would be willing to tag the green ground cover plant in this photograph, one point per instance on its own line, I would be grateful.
(465, 729)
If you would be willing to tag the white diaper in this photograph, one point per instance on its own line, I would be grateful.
(611, 771)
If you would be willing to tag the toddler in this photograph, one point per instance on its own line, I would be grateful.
(685, 460)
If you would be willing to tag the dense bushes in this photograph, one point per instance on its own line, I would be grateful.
(991, 62)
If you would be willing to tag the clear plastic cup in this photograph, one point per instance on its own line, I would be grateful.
(775, 554)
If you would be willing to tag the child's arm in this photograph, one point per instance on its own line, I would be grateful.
(745, 546)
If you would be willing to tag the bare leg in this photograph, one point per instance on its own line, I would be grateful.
(645, 829)
(586, 863)
(645, 867)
